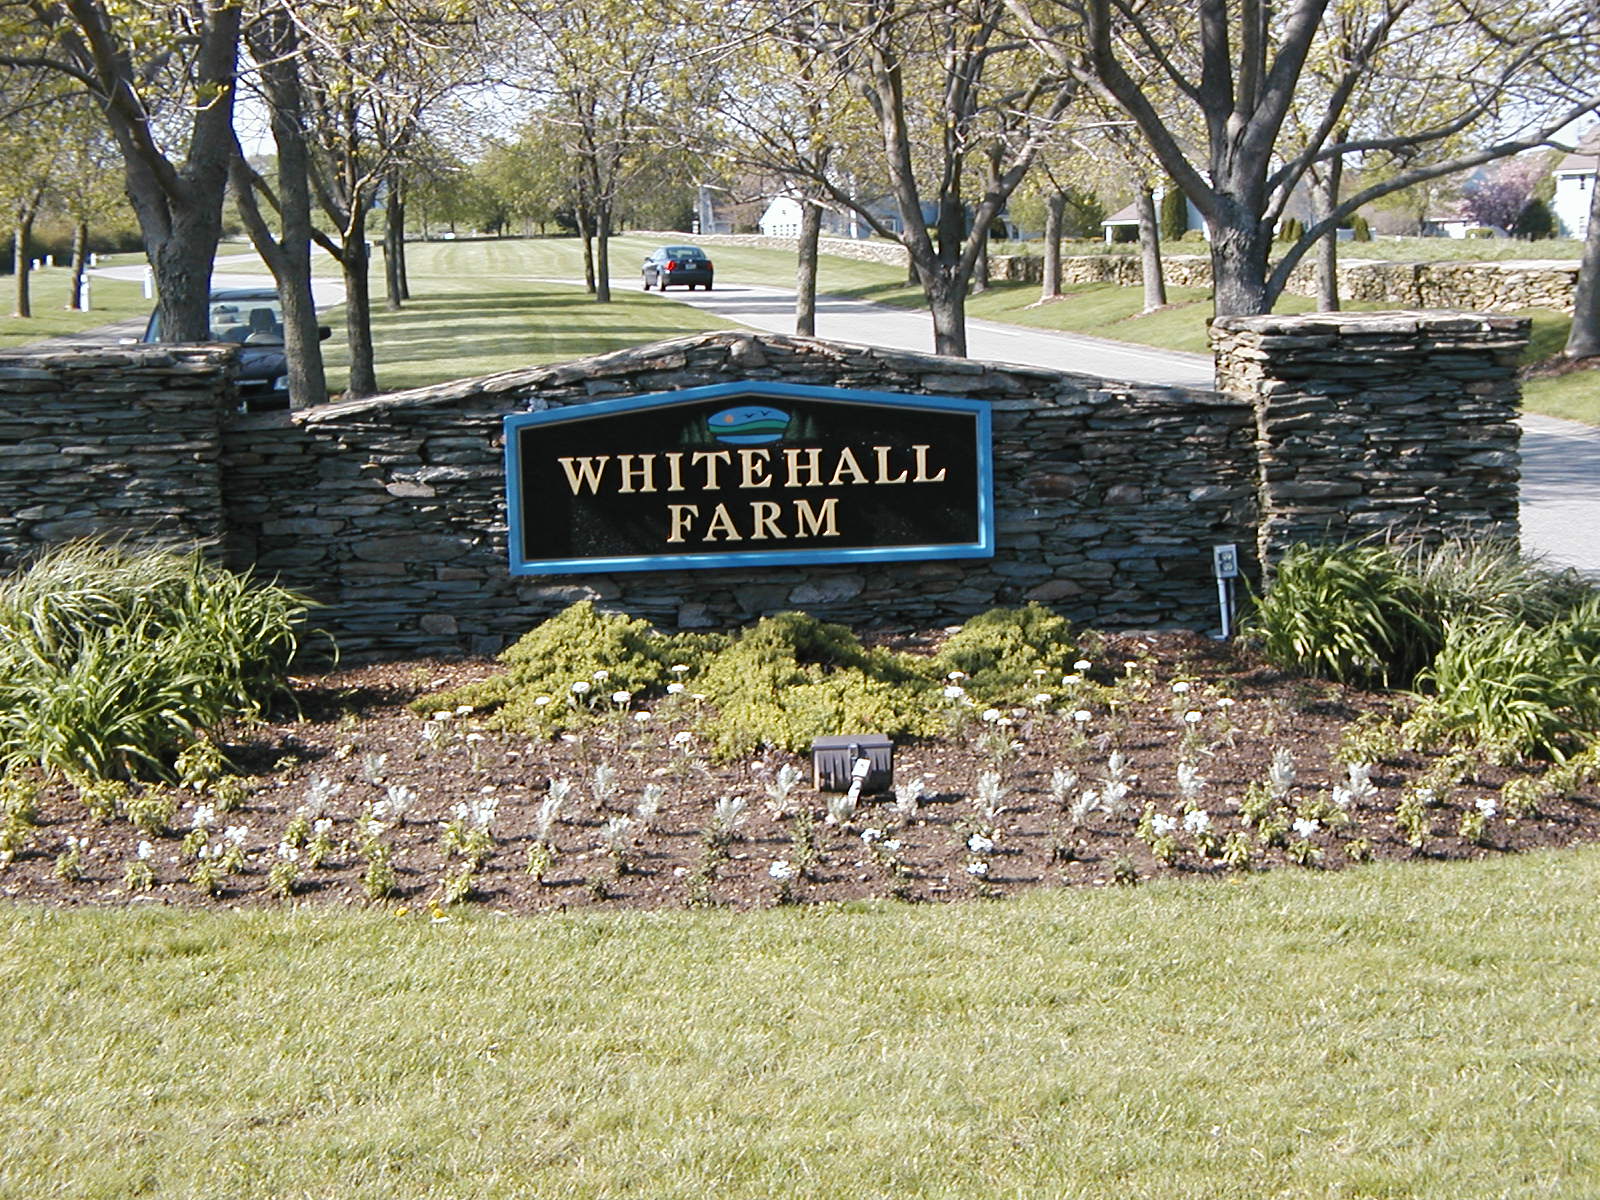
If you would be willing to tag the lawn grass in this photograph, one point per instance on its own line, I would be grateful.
(113, 299)
(1408, 1030)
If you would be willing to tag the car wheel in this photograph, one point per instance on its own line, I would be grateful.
(708, 287)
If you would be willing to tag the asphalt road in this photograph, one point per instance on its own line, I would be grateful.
(1560, 459)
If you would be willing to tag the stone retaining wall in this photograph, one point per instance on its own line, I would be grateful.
(391, 510)
(122, 443)
(1374, 422)
(1109, 496)
(1469, 286)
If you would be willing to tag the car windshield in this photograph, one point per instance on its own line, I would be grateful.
(684, 252)
(253, 318)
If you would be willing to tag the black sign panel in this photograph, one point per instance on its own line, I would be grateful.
(745, 473)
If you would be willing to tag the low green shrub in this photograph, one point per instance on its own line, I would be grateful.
(1351, 613)
(1490, 579)
(602, 652)
(112, 662)
(1001, 651)
(791, 678)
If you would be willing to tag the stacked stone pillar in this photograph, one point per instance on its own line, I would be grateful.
(1378, 424)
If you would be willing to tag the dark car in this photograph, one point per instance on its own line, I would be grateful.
(678, 266)
(253, 318)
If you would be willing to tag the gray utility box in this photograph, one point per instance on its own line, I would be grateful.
(834, 758)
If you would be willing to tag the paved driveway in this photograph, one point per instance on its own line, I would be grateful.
(1560, 459)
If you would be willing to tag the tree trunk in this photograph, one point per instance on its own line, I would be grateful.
(581, 215)
(602, 266)
(980, 273)
(358, 309)
(947, 301)
(288, 256)
(805, 273)
(80, 263)
(1155, 281)
(1239, 265)
(1054, 215)
(1584, 339)
(23, 303)
(394, 246)
(1325, 196)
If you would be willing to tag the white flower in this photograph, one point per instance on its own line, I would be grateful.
(620, 697)
(1193, 716)
(581, 687)
(1083, 664)
(1342, 796)
(474, 737)
(145, 850)
(463, 709)
(1180, 687)
(991, 714)
(954, 691)
(698, 696)
(323, 827)
(979, 844)
(956, 676)
(601, 675)
(682, 738)
(237, 834)
(1487, 808)
(674, 689)
(541, 701)
(678, 668)
(1081, 716)
(1043, 698)
(1161, 824)
(1304, 826)
(893, 845)
(1226, 702)
(871, 835)
(1196, 822)
(443, 714)
(978, 867)
(782, 871)
(641, 716)
(287, 852)
(1071, 680)
(204, 814)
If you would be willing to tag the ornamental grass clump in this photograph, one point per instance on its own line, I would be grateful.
(113, 663)
(1350, 613)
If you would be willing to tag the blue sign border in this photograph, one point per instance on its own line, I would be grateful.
(980, 410)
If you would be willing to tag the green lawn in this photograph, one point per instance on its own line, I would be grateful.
(113, 299)
(1408, 1030)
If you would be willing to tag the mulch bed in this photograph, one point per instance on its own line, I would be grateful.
(348, 717)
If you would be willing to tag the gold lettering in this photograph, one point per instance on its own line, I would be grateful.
(812, 468)
(711, 458)
(764, 513)
(811, 523)
(922, 467)
(679, 516)
(847, 460)
(587, 473)
(721, 521)
(645, 473)
(753, 461)
(883, 466)
(675, 472)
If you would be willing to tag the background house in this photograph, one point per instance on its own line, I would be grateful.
(1575, 180)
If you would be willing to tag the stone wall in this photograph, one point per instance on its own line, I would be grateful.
(1369, 422)
(1470, 286)
(1109, 497)
(121, 442)
(391, 511)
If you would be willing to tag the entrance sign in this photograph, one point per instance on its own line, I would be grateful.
(751, 473)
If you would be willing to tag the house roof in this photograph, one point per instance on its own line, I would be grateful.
(1582, 160)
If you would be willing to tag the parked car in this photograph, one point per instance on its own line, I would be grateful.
(678, 266)
(252, 318)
